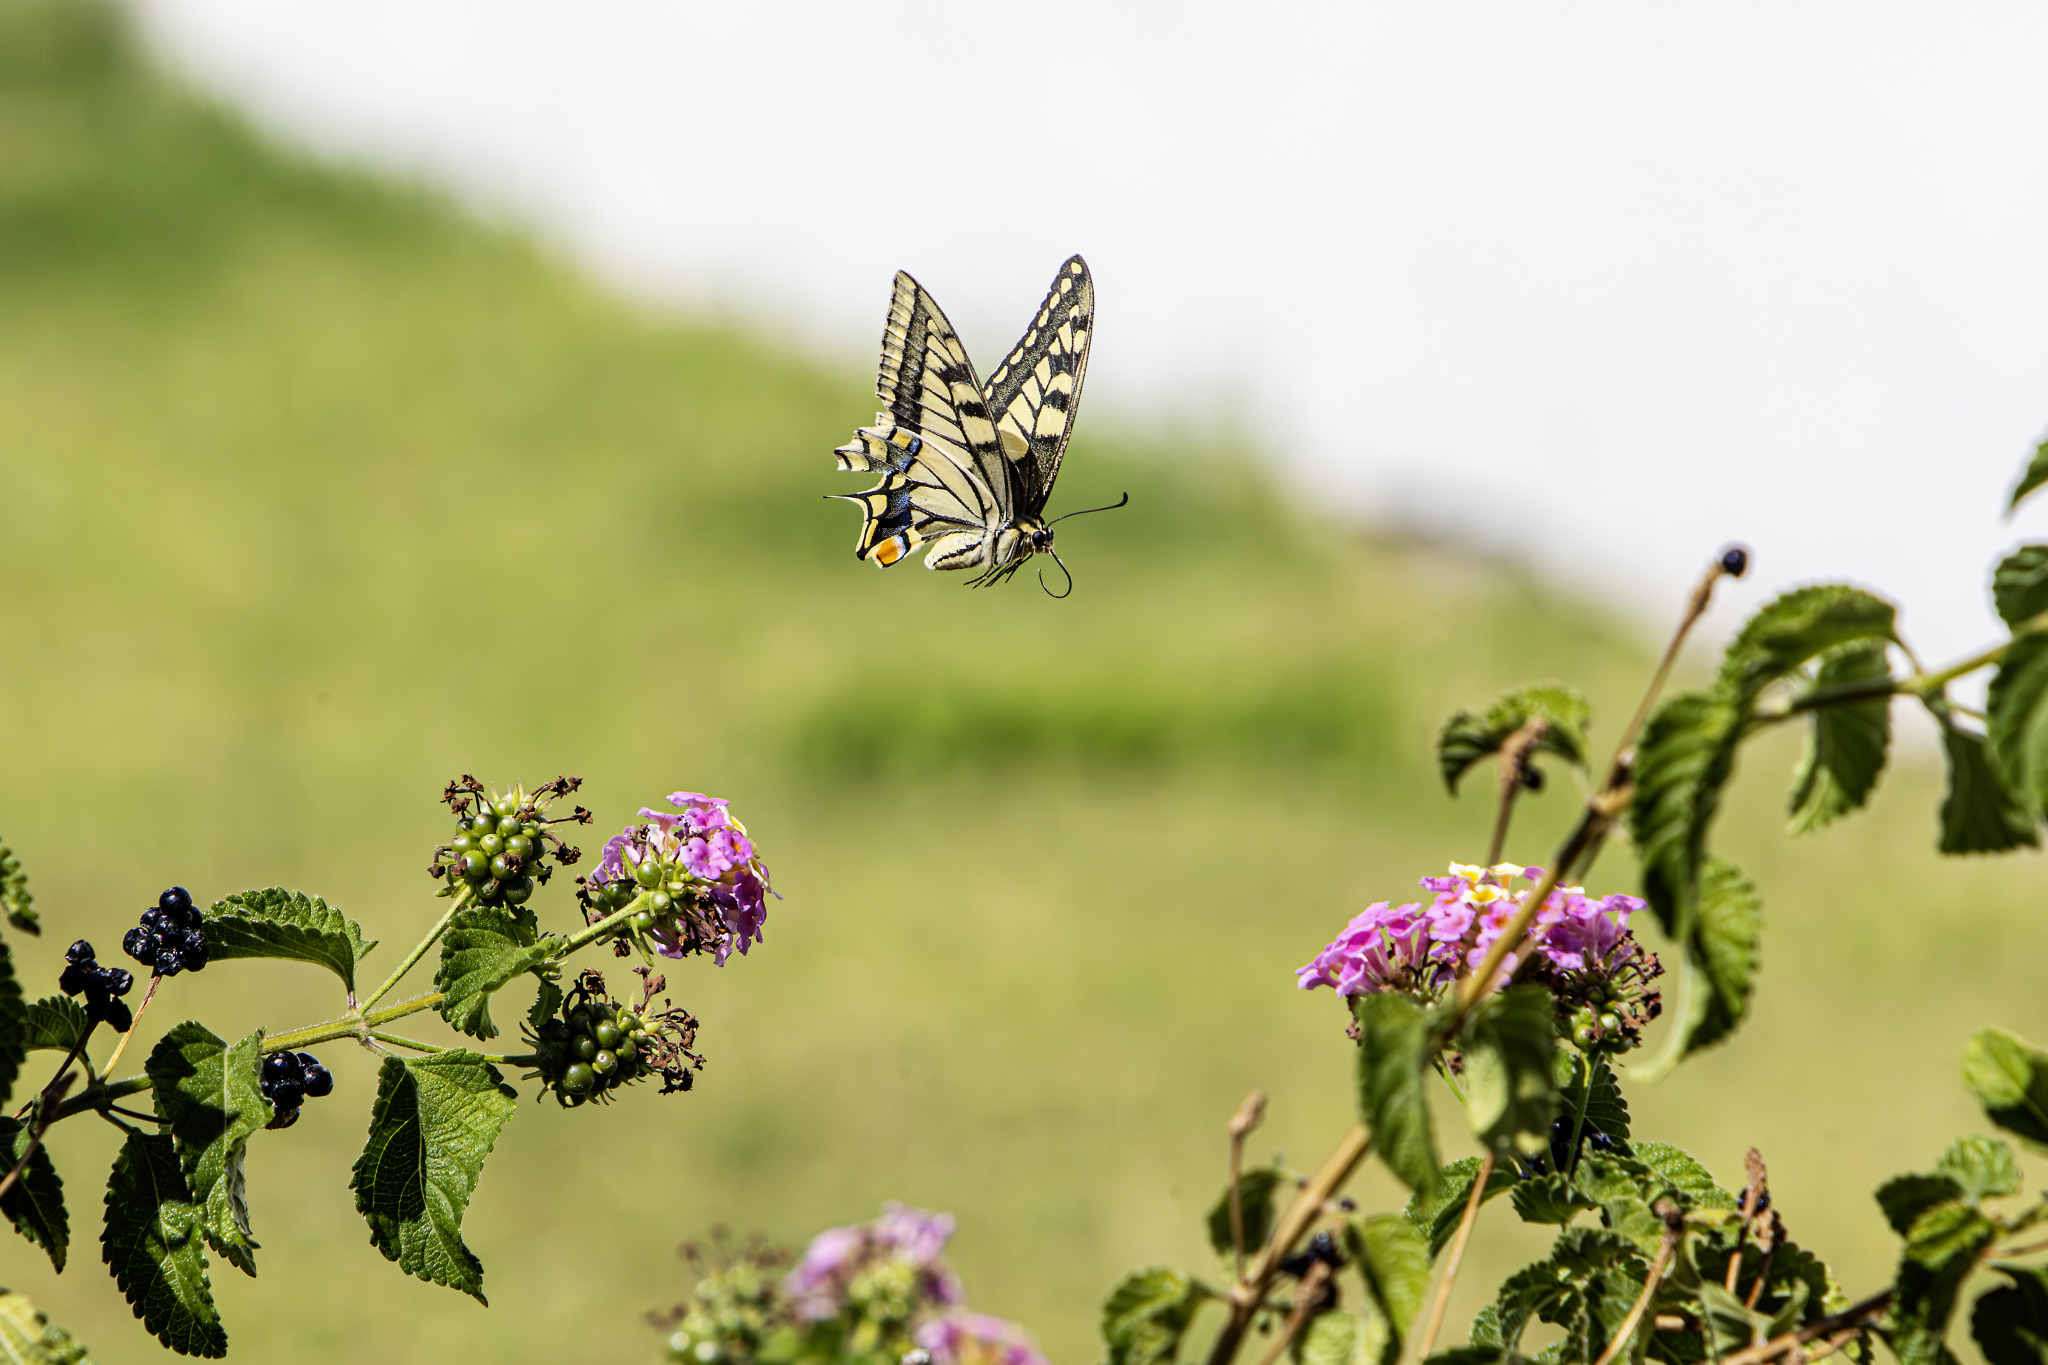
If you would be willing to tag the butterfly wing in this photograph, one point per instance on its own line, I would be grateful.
(944, 476)
(1033, 394)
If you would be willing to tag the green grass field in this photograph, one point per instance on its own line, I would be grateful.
(314, 494)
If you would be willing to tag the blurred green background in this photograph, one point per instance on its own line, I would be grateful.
(314, 494)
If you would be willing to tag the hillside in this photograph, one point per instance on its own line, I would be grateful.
(314, 494)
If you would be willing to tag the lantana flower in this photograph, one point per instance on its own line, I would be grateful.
(840, 1268)
(965, 1338)
(709, 888)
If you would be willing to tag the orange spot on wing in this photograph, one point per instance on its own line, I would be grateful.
(890, 550)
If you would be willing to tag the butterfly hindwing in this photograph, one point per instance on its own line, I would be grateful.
(928, 492)
(1034, 392)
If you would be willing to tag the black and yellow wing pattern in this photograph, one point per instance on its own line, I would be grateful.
(966, 470)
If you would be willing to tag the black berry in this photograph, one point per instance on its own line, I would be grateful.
(1735, 562)
(99, 985)
(286, 1079)
(80, 951)
(170, 938)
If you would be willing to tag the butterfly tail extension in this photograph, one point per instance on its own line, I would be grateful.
(888, 531)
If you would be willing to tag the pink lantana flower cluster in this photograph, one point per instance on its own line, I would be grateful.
(707, 888)
(843, 1267)
(967, 1338)
(1581, 947)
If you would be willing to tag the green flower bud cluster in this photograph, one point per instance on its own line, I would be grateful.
(590, 1049)
(502, 846)
(736, 1307)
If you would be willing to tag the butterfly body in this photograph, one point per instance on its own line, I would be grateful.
(967, 468)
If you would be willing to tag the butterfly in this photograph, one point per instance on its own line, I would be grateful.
(967, 468)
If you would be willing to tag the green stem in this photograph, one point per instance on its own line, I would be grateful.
(397, 1041)
(462, 901)
(1579, 1119)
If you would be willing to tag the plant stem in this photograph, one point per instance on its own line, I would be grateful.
(1619, 1341)
(1450, 1276)
(122, 1046)
(1241, 1124)
(463, 899)
(397, 1041)
(1245, 1297)
(1305, 1295)
(1514, 757)
(48, 1105)
(1852, 1316)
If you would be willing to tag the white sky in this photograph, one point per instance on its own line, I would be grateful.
(1650, 277)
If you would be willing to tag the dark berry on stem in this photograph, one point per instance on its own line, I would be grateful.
(77, 977)
(1735, 562)
(80, 951)
(114, 1013)
(116, 980)
(319, 1080)
(140, 944)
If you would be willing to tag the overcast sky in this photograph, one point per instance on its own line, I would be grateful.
(1652, 277)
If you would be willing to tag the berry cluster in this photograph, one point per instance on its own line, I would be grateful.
(100, 985)
(169, 940)
(502, 846)
(287, 1079)
(597, 1044)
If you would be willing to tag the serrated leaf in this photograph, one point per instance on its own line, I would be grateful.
(1589, 1095)
(54, 1023)
(1722, 954)
(2019, 586)
(1147, 1314)
(1255, 1207)
(1906, 1198)
(28, 1337)
(1466, 738)
(1684, 758)
(483, 949)
(1549, 1198)
(1941, 1249)
(13, 1016)
(1685, 1175)
(2011, 1322)
(1510, 1078)
(2016, 720)
(279, 923)
(546, 1001)
(1395, 1049)
(15, 900)
(1436, 1215)
(1798, 627)
(2032, 477)
(209, 1094)
(1330, 1338)
(153, 1245)
(2010, 1079)
(1979, 814)
(1847, 742)
(1394, 1260)
(1982, 1166)
(435, 1121)
(35, 1204)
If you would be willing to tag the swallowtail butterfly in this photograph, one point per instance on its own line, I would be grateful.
(967, 468)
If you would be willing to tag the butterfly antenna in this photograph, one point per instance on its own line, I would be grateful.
(1063, 569)
(1086, 510)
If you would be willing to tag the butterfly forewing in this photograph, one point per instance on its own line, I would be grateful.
(928, 383)
(1034, 392)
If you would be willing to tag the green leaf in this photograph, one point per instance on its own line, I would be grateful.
(209, 1094)
(1982, 1166)
(1510, 1075)
(546, 1001)
(2033, 477)
(1847, 742)
(1906, 1198)
(1396, 1046)
(153, 1245)
(1798, 627)
(1685, 757)
(2010, 1079)
(2011, 1322)
(1549, 1198)
(1723, 954)
(15, 900)
(1255, 1206)
(1436, 1215)
(54, 1023)
(1477, 1355)
(1330, 1338)
(1467, 738)
(435, 1121)
(1979, 814)
(1941, 1250)
(1589, 1095)
(1685, 1175)
(2019, 586)
(35, 1205)
(13, 1017)
(285, 924)
(483, 949)
(28, 1337)
(2016, 721)
(1147, 1314)
(1394, 1261)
